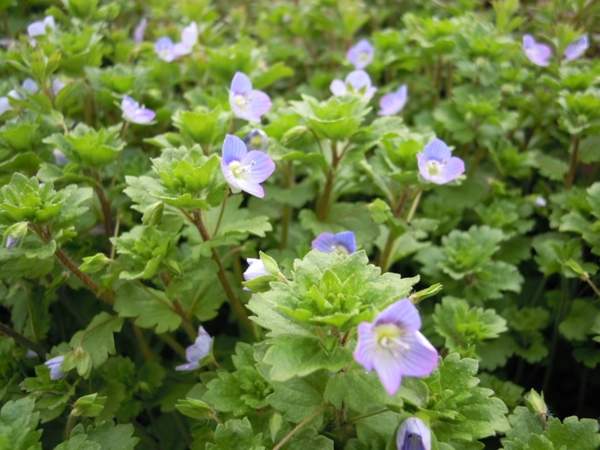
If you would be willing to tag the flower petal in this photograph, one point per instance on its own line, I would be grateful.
(389, 370)
(4, 105)
(403, 313)
(240, 84)
(189, 35)
(259, 103)
(338, 88)
(359, 79)
(261, 166)
(181, 49)
(188, 367)
(577, 48)
(366, 345)
(437, 150)
(138, 33)
(144, 116)
(421, 359)
(234, 149)
(324, 242)
(347, 239)
(251, 188)
(361, 55)
(256, 268)
(449, 171)
(200, 348)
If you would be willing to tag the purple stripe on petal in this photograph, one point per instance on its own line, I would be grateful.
(261, 166)
(251, 188)
(422, 358)
(234, 149)
(366, 346)
(389, 370)
(324, 242)
(240, 84)
(451, 170)
(347, 240)
(402, 313)
(338, 88)
(259, 104)
(437, 149)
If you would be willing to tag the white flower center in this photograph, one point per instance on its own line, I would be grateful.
(363, 56)
(337, 248)
(165, 54)
(389, 336)
(238, 170)
(240, 101)
(434, 167)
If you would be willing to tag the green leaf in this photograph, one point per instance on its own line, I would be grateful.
(18, 425)
(97, 339)
(89, 405)
(196, 409)
(236, 434)
(298, 398)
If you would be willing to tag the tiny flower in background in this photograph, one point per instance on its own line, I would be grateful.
(39, 28)
(4, 105)
(361, 55)
(57, 86)
(133, 112)
(31, 354)
(540, 201)
(257, 139)
(164, 49)
(196, 352)
(30, 86)
(394, 346)
(244, 170)
(247, 103)
(256, 268)
(357, 82)
(189, 38)
(577, 48)
(343, 243)
(437, 165)
(393, 102)
(538, 54)
(60, 159)
(413, 434)
(54, 366)
(140, 30)
(12, 242)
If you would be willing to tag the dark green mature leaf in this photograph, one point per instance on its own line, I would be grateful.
(298, 398)
(18, 425)
(236, 434)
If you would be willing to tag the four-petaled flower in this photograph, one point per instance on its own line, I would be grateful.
(343, 243)
(247, 103)
(133, 112)
(413, 434)
(394, 346)
(437, 165)
(196, 352)
(244, 170)
(393, 102)
(577, 48)
(54, 366)
(39, 27)
(537, 53)
(256, 268)
(361, 55)
(357, 82)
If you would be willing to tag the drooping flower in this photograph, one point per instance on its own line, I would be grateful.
(247, 103)
(257, 139)
(357, 82)
(577, 48)
(393, 102)
(361, 55)
(394, 346)
(196, 352)
(244, 170)
(12, 242)
(54, 366)
(189, 38)
(437, 165)
(413, 434)
(343, 243)
(39, 28)
(538, 54)
(164, 49)
(256, 268)
(60, 159)
(133, 112)
(140, 30)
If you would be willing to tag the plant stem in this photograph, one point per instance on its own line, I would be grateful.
(589, 281)
(4, 329)
(223, 205)
(387, 251)
(144, 347)
(104, 202)
(323, 206)
(369, 414)
(235, 303)
(573, 163)
(299, 427)
(70, 423)
(415, 204)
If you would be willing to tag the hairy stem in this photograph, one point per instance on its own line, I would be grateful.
(4, 329)
(299, 427)
(223, 205)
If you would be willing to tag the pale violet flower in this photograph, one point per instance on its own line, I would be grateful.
(196, 352)
(133, 112)
(413, 434)
(256, 268)
(140, 30)
(577, 48)
(244, 170)
(437, 165)
(54, 366)
(57, 86)
(164, 49)
(393, 102)
(4, 105)
(30, 86)
(357, 82)
(394, 346)
(247, 103)
(189, 38)
(361, 55)
(538, 54)
(60, 159)
(12, 242)
(39, 28)
(541, 202)
(257, 139)
(343, 243)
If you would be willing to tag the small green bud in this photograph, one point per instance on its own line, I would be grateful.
(535, 403)
(153, 213)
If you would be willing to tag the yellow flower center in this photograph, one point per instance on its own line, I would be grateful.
(389, 337)
(238, 170)
(240, 101)
(434, 167)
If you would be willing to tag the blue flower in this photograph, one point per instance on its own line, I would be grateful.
(361, 55)
(244, 170)
(54, 366)
(393, 102)
(357, 82)
(536, 53)
(257, 139)
(577, 48)
(437, 165)
(196, 352)
(413, 434)
(138, 33)
(344, 243)
(247, 103)
(133, 112)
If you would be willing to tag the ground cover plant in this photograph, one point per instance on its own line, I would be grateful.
(286, 225)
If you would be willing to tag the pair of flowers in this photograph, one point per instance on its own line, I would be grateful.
(167, 50)
(539, 54)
